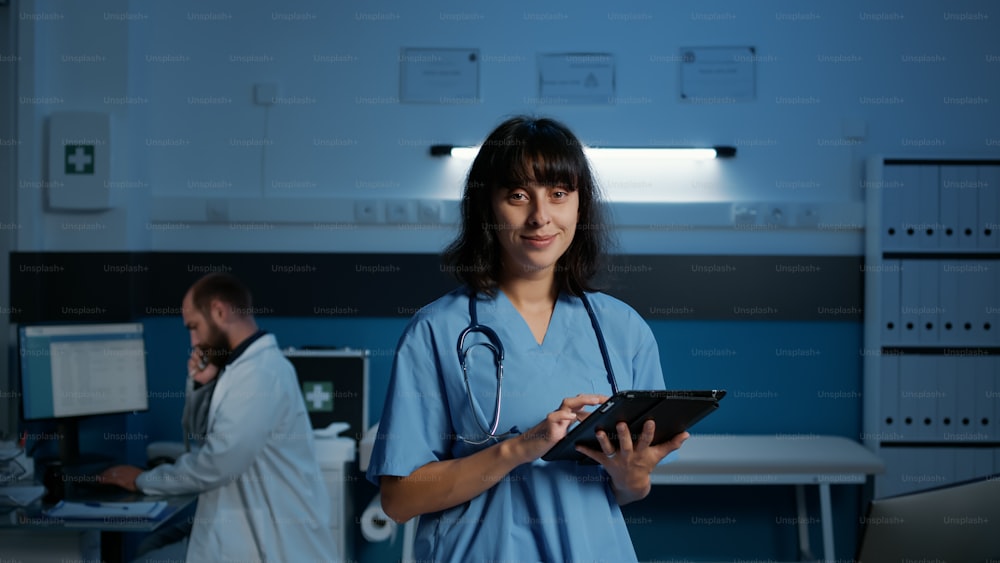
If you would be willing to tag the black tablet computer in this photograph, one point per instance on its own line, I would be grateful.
(673, 411)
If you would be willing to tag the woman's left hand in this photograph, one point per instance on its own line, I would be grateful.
(630, 466)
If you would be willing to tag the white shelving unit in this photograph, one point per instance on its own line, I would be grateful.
(932, 321)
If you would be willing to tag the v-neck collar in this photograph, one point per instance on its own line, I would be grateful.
(555, 332)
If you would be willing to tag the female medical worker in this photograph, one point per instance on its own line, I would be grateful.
(465, 455)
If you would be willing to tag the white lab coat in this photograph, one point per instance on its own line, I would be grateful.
(261, 492)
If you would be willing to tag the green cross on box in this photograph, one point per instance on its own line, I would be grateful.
(79, 159)
(318, 395)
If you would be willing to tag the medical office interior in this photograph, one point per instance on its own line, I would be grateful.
(834, 267)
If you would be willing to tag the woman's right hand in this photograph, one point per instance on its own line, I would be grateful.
(439, 485)
(534, 443)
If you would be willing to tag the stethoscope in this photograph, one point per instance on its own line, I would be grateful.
(496, 347)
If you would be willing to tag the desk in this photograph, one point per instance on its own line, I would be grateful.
(775, 459)
(29, 535)
(769, 459)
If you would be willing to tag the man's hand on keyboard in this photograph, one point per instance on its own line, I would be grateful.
(122, 475)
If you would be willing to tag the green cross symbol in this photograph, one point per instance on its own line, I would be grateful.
(319, 396)
(79, 159)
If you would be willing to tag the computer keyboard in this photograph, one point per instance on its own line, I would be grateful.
(86, 490)
(84, 483)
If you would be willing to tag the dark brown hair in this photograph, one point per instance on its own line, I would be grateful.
(224, 287)
(520, 151)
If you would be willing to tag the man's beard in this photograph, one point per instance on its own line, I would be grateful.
(215, 350)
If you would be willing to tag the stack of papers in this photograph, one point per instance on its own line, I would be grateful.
(103, 510)
(20, 495)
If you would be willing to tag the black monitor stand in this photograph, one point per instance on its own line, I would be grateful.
(74, 462)
(70, 474)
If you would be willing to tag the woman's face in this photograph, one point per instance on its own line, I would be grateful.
(535, 226)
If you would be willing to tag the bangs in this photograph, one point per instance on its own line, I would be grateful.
(545, 158)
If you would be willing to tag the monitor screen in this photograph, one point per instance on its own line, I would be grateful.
(334, 386)
(82, 369)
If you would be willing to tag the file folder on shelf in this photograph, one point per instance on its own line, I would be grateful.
(907, 199)
(985, 399)
(965, 400)
(982, 279)
(889, 421)
(950, 318)
(974, 290)
(890, 276)
(925, 376)
(892, 188)
(930, 302)
(909, 302)
(958, 207)
(989, 310)
(988, 230)
(971, 463)
(909, 383)
(950, 377)
(948, 214)
(928, 220)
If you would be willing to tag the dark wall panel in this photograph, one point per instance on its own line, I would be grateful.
(64, 286)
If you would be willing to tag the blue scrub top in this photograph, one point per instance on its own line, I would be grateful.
(541, 511)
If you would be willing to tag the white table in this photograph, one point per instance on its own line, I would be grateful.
(768, 459)
(775, 459)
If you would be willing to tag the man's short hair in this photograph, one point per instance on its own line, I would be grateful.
(224, 287)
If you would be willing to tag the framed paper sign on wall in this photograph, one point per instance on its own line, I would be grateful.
(576, 78)
(718, 74)
(439, 76)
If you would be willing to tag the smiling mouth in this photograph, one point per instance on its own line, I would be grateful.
(539, 243)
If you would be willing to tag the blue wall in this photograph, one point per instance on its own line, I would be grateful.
(836, 83)
(782, 377)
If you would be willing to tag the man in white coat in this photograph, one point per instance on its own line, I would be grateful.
(261, 491)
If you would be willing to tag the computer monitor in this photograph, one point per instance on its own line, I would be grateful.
(334, 386)
(70, 371)
(952, 524)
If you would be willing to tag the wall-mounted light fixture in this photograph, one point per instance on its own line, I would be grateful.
(645, 153)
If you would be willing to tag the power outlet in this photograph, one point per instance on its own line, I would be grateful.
(807, 217)
(399, 211)
(744, 214)
(776, 215)
(217, 211)
(368, 211)
(429, 212)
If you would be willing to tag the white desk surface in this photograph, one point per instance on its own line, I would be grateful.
(773, 459)
(771, 454)
(764, 454)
